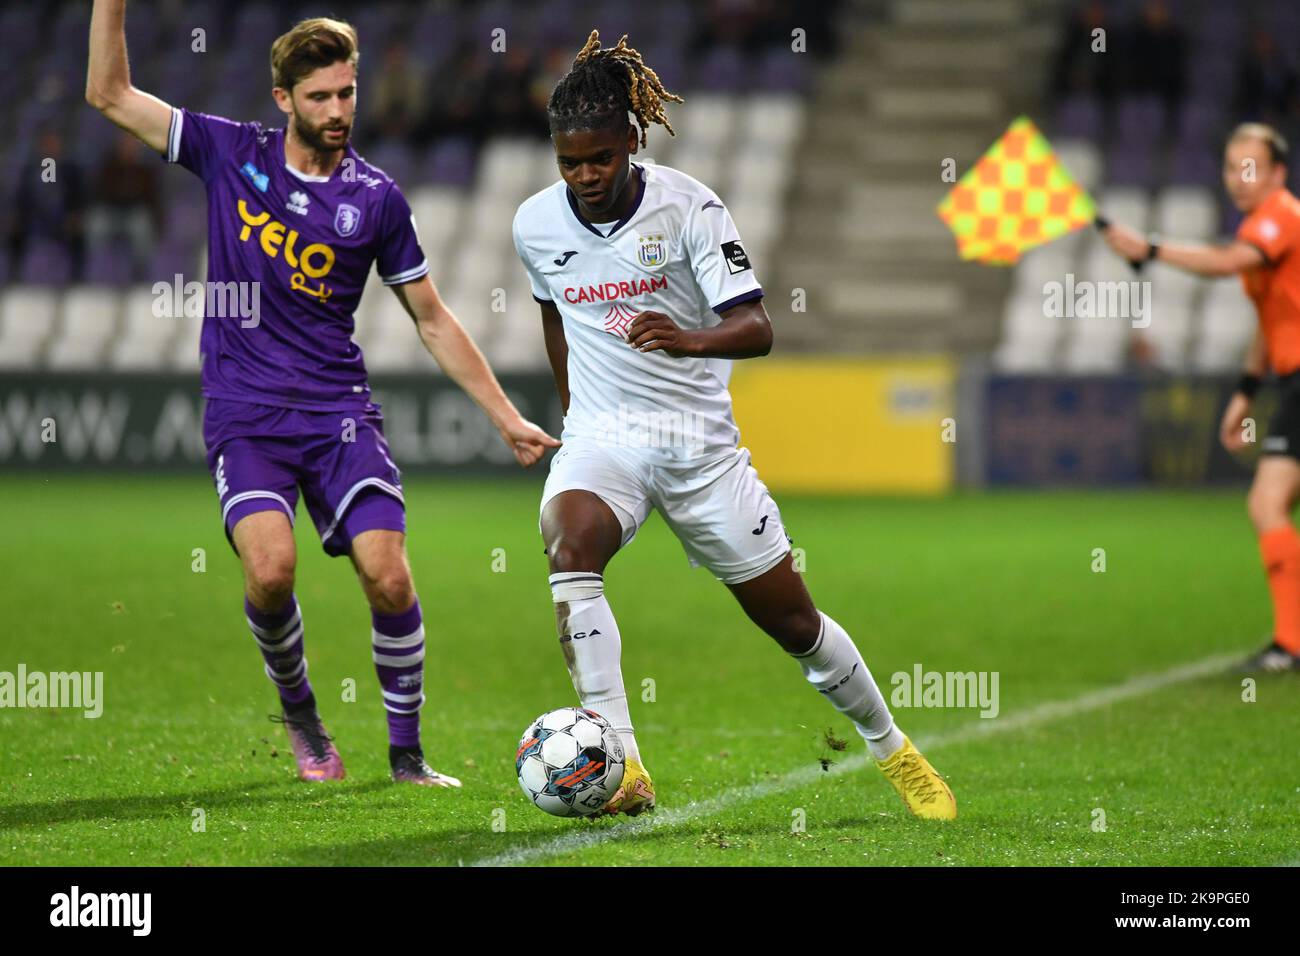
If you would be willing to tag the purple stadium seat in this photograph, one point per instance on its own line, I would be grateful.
(677, 22)
(669, 63)
(185, 221)
(1140, 119)
(168, 260)
(783, 71)
(722, 69)
(1200, 120)
(21, 30)
(1220, 25)
(1231, 217)
(1130, 164)
(451, 163)
(45, 262)
(617, 17)
(394, 157)
(1194, 163)
(91, 136)
(555, 25)
(258, 24)
(1080, 117)
(486, 17)
(108, 265)
(143, 37)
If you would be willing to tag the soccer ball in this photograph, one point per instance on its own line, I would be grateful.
(570, 762)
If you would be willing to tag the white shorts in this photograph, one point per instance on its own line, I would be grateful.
(719, 509)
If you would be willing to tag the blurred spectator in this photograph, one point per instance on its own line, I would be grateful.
(734, 23)
(46, 209)
(1267, 84)
(756, 26)
(555, 65)
(1158, 55)
(1077, 68)
(397, 98)
(458, 97)
(511, 108)
(128, 204)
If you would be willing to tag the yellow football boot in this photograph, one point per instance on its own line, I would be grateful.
(637, 792)
(919, 784)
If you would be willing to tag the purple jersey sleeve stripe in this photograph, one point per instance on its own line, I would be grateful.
(407, 276)
(750, 296)
(174, 135)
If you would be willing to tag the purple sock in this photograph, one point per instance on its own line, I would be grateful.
(279, 635)
(398, 644)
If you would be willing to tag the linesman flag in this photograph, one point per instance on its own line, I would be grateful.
(1016, 197)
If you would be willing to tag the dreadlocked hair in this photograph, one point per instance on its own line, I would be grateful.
(603, 86)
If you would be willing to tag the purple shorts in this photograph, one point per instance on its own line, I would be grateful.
(260, 455)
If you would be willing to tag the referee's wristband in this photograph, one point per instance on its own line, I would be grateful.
(1248, 385)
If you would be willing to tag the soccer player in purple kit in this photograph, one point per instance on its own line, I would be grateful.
(295, 221)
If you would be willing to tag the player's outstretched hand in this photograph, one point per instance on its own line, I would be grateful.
(1125, 242)
(1232, 430)
(527, 441)
(654, 331)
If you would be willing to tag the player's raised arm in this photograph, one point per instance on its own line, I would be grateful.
(108, 80)
(458, 356)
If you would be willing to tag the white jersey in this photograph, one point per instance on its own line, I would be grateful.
(676, 252)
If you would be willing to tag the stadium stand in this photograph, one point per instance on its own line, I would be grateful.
(76, 296)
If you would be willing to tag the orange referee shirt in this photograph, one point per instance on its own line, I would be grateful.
(1274, 229)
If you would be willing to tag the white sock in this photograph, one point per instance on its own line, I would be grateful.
(838, 671)
(593, 649)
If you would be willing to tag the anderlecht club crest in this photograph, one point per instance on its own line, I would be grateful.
(651, 250)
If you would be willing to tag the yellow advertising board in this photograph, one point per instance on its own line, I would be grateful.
(849, 425)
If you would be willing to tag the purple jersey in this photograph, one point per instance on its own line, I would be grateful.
(308, 242)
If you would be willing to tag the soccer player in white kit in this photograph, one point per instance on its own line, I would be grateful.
(646, 293)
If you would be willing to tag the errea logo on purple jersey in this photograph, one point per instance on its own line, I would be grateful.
(347, 219)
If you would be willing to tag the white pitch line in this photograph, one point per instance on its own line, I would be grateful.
(1040, 714)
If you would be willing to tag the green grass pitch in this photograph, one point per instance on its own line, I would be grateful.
(98, 576)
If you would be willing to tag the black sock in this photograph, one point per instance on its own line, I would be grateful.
(396, 753)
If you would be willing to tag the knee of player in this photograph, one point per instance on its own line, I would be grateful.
(1264, 509)
(565, 555)
(271, 575)
(392, 591)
